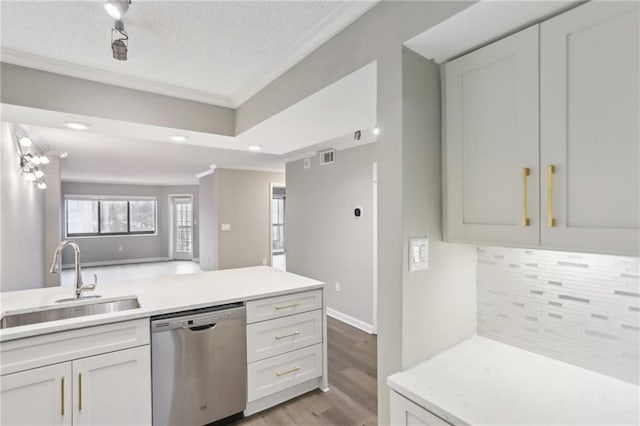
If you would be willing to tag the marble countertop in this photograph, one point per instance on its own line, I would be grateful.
(156, 296)
(484, 382)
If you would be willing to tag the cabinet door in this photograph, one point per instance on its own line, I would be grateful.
(491, 137)
(589, 128)
(113, 389)
(406, 413)
(41, 396)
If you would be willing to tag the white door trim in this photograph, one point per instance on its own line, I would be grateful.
(374, 319)
(170, 197)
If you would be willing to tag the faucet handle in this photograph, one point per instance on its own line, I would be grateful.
(92, 285)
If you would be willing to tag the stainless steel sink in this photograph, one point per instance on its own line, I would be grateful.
(73, 310)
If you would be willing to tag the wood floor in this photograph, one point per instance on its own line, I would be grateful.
(352, 398)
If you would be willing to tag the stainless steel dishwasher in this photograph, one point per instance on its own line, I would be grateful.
(199, 365)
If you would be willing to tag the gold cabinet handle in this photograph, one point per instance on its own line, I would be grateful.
(62, 396)
(551, 222)
(525, 218)
(295, 333)
(79, 391)
(282, 373)
(293, 305)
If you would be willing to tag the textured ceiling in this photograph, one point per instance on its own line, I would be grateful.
(220, 48)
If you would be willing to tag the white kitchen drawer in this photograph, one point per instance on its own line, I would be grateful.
(280, 372)
(269, 338)
(32, 352)
(280, 306)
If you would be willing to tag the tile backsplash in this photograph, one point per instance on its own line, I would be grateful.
(583, 309)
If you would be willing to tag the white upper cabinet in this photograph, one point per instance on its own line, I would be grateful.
(491, 151)
(589, 74)
(577, 133)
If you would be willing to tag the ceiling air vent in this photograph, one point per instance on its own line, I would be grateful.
(327, 157)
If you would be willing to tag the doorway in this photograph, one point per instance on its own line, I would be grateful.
(181, 227)
(278, 202)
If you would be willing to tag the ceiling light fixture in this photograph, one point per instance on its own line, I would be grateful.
(117, 8)
(38, 173)
(254, 147)
(119, 41)
(44, 159)
(75, 125)
(376, 130)
(25, 142)
(178, 138)
(42, 185)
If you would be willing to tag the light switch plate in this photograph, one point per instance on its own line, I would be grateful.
(418, 253)
(225, 227)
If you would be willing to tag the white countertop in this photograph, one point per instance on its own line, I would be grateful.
(156, 296)
(484, 382)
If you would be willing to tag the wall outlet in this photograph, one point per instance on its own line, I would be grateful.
(120, 248)
(264, 261)
(338, 286)
(225, 227)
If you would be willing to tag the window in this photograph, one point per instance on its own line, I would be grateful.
(277, 218)
(92, 217)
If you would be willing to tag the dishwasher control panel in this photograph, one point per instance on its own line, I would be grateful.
(197, 318)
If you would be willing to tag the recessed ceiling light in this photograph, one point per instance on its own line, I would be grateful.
(25, 142)
(75, 125)
(254, 147)
(178, 138)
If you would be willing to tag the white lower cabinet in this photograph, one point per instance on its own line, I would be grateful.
(286, 348)
(41, 396)
(112, 388)
(406, 413)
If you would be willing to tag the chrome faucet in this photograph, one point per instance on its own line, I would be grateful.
(55, 267)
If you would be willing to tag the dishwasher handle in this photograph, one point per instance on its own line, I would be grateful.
(203, 327)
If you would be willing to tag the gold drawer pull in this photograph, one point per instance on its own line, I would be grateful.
(525, 174)
(293, 305)
(62, 397)
(551, 222)
(295, 333)
(282, 373)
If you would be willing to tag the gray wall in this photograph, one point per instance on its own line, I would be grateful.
(324, 240)
(244, 202)
(439, 304)
(22, 261)
(208, 223)
(377, 35)
(55, 92)
(106, 249)
(242, 199)
(53, 214)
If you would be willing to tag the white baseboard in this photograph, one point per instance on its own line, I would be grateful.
(368, 328)
(117, 262)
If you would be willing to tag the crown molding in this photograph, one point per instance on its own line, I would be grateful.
(43, 63)
(336, 21)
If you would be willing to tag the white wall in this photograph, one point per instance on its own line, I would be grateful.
(324, 240)
(439, 304)
(22, 263)
(208, 213)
